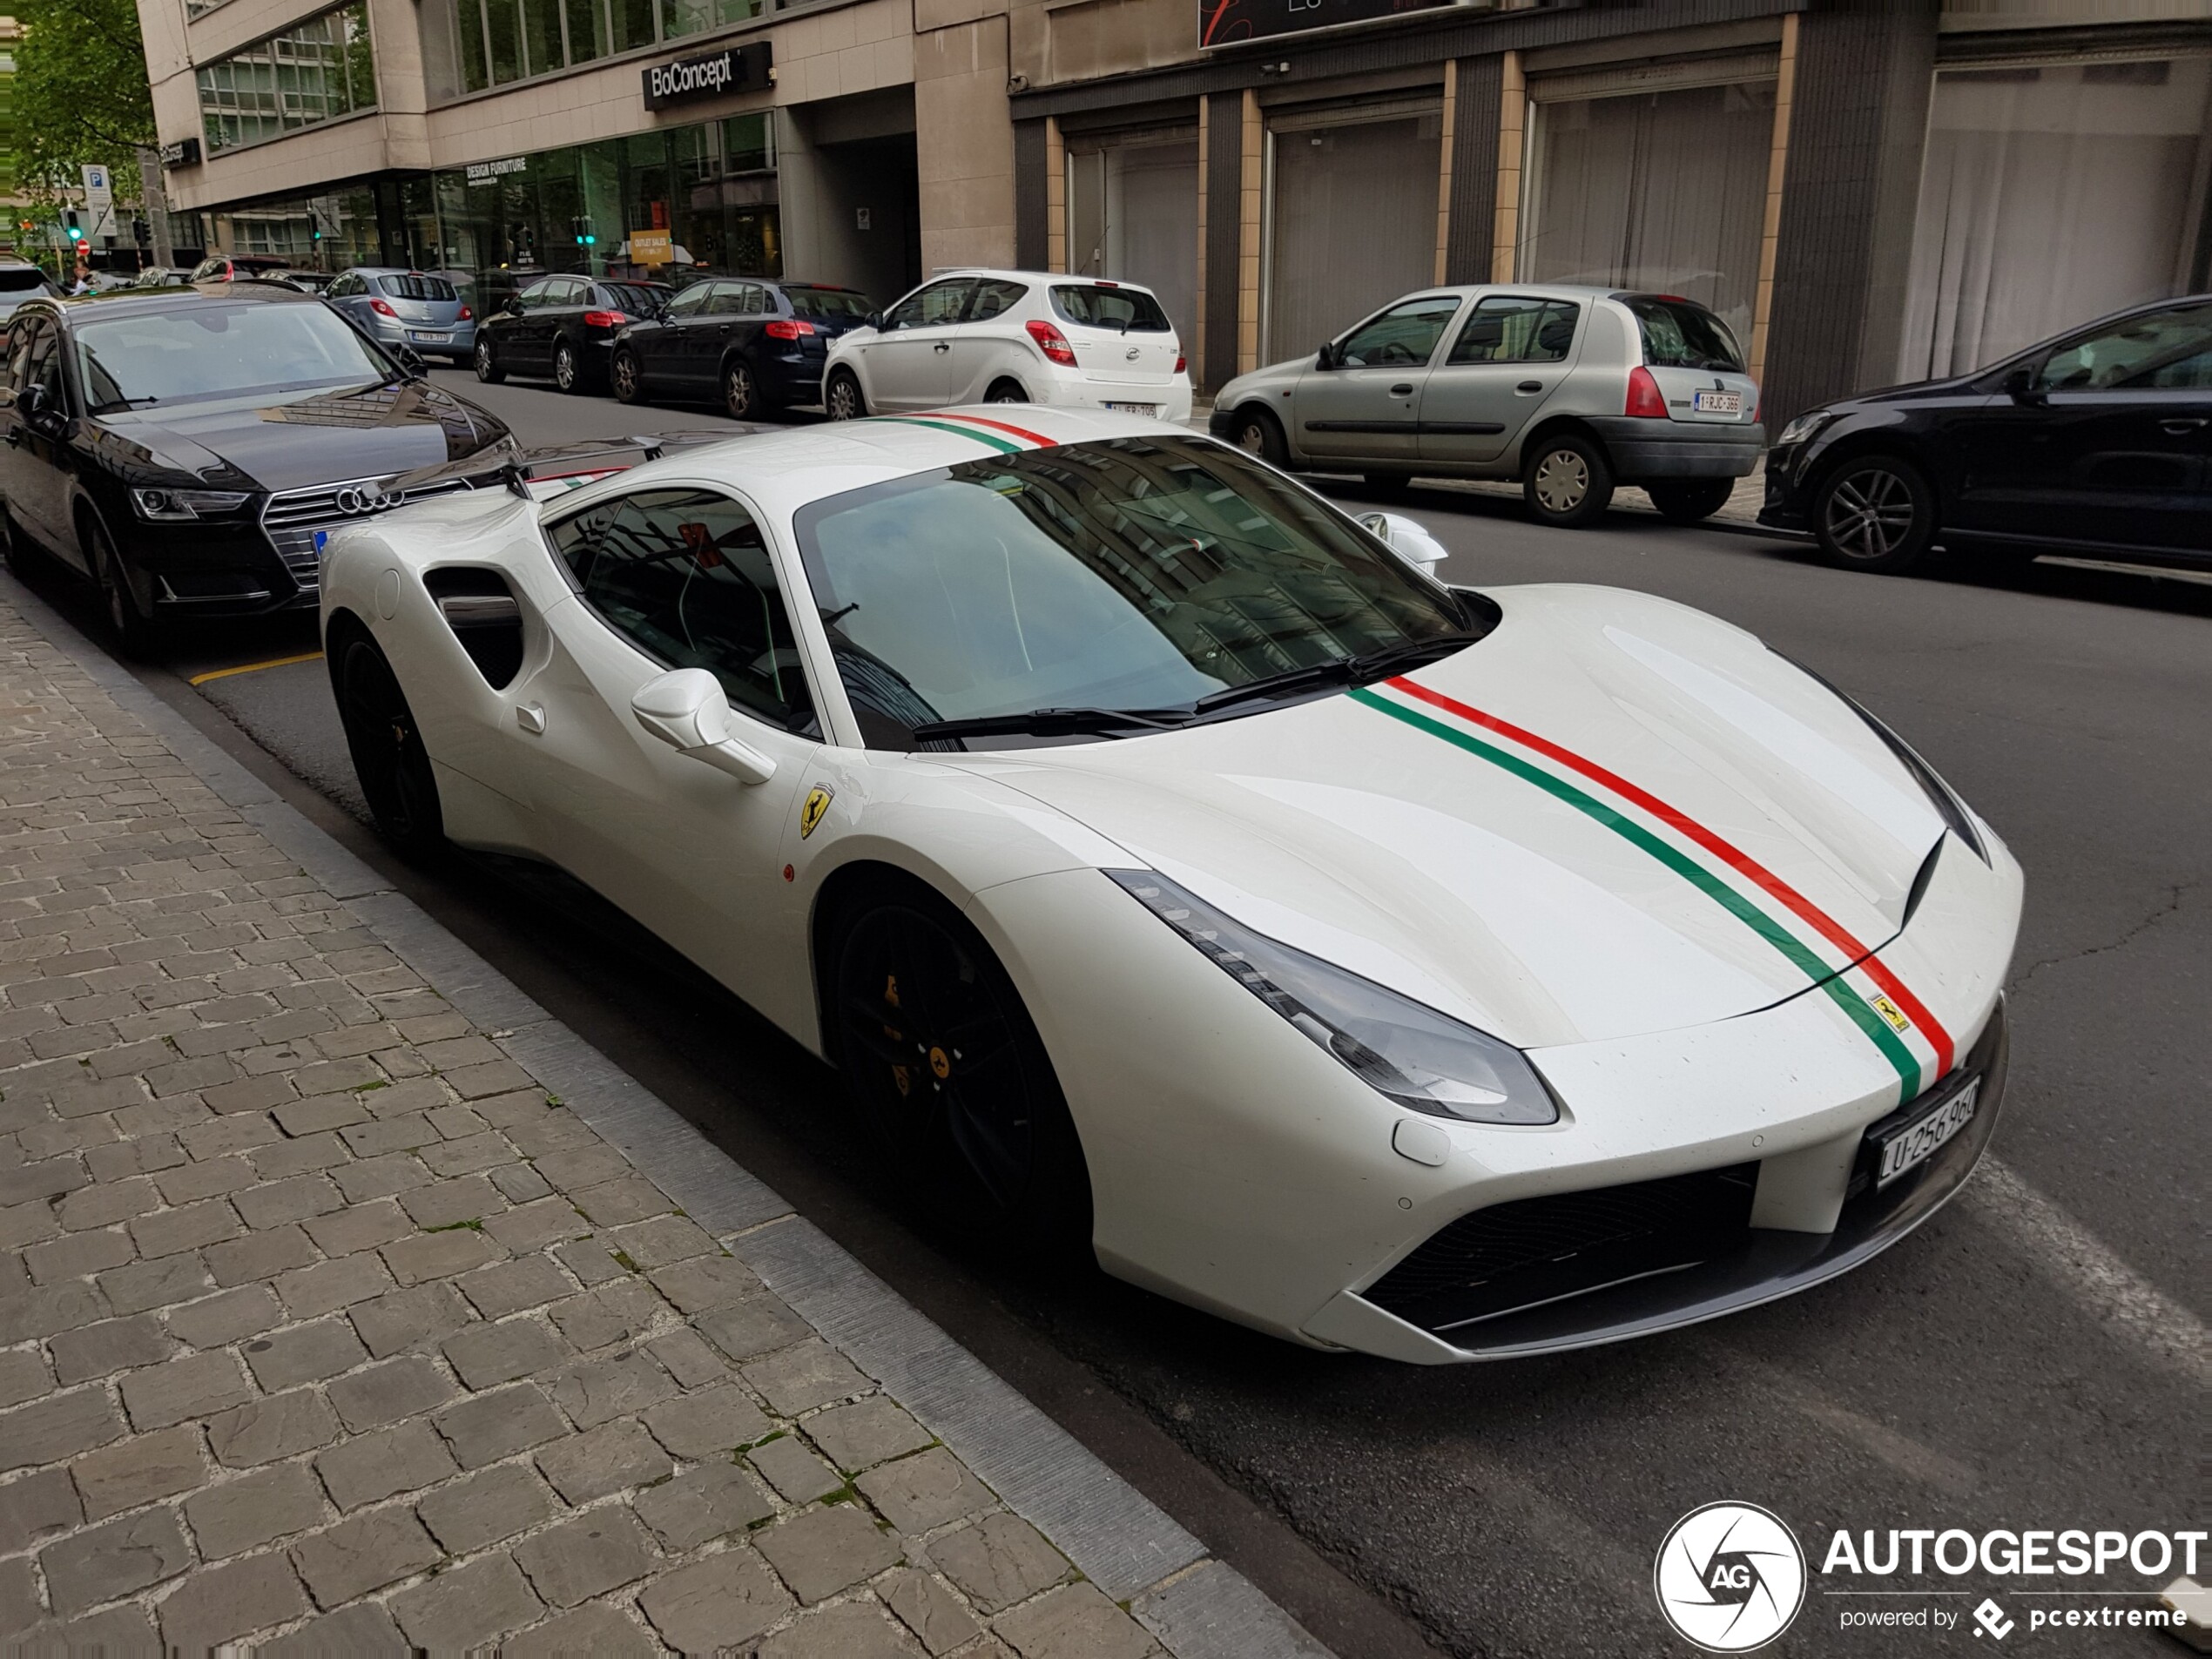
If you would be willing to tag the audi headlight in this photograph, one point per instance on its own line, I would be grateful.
(1404, 1051)
(1801, 429)
(178, 506)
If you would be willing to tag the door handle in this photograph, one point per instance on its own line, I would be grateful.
(1527, 386)
(2173, 428)
(942, 345)
(1404, 388)
(530, 717)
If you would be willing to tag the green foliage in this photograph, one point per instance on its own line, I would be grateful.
(80, 94)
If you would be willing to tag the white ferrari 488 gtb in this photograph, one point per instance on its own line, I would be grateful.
(1171, 863)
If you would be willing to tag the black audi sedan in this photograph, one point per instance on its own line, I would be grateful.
(563, 328)
(182, 446)
(2097, 443)
(756, 345)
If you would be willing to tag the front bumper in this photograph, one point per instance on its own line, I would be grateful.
(1648, 450)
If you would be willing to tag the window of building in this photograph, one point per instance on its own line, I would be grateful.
(680, 18)
(2053, 193)
(315, 72)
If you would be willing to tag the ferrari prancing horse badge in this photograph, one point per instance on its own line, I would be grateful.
(818, 801)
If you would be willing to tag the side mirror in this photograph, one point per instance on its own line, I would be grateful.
(1328, 355)
(31, 404)
(2019, 386)
(514, 305)
(1407, 539)
(875, 321)
(685, 710)
(410, 360)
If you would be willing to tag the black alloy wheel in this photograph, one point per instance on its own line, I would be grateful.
(843, 401)
(1874, 513)
(1006, 392)
(629, 379)
(1257, 434)
(133, 629)
(568, 374)
(740, 391)
(951, 1077)
(1689, 500)
(388, 757)
(1569, 482)
(487, 368)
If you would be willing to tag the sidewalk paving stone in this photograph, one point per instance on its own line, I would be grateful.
(323, 1328)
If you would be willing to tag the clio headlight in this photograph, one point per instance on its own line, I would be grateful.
(1402, 1049)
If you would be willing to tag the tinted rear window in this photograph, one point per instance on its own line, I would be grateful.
(1681, 333)
(21, 278)
(1127, 309)
(416, 288)
(820, 304)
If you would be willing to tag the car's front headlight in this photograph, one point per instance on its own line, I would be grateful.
(1801, 429)
(179, 506)
(1402, 1049)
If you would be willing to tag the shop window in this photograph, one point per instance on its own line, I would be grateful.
(1660, 190)
(2053, 193)
(749, 143)
(1133, 216)
(314, 71)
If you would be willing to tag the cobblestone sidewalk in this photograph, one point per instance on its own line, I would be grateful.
(324, 1328)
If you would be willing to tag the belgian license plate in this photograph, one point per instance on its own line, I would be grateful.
(1135, 409)
(1718, 402)
(428, 339)
(1906, 1147)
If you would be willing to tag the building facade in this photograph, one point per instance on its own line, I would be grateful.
(1869, 190)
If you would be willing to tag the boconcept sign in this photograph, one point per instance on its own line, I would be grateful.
(734, 69)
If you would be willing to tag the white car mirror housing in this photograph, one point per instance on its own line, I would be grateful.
(685, 709)
(1408, 540)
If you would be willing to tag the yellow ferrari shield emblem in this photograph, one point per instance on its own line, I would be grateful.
(818, 801)
(1894, 1014)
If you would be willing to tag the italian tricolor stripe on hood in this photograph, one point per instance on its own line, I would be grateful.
(1870, 994)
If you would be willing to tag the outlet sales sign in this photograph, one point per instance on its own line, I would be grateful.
(734, 69)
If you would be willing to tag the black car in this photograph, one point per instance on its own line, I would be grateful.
(562, 326)
(2099, 441)
(756, 345)
(182, 446)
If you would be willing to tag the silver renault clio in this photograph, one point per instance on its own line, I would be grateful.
(1569, 390)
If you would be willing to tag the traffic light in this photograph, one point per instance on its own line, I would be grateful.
(579, 228)
(69, 224)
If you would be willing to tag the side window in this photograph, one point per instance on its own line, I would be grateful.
(13, 338)
(40, 364)
(2160, 351)
(730, 300)
(941, 302)
(1403, 337)
(533, 297)
(691, 302)
(686, 577)
(994, 298)
(1506, 328)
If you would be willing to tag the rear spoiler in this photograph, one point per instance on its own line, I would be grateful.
(542, 470)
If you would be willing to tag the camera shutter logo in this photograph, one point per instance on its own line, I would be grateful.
(1729, 1577)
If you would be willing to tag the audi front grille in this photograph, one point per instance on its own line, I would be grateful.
(291, 517)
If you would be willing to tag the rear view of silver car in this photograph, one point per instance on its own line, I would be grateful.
(1571, 391)
(418, 309)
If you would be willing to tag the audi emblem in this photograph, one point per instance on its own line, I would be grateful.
(355, 499)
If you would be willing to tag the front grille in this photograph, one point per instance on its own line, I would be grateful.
(1534, 1250)
(291, 518)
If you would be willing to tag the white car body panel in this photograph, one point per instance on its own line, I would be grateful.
(1235, 1165)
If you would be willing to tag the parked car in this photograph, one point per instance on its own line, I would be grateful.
(1569, 390)
(1173, 869)
(161, 276)
(412, 308)
(306, 282)
(562, 328)
(19, 282)
(758, 345)
(2097, 441)
(1013, 337)
(182, 447)
(238, 268)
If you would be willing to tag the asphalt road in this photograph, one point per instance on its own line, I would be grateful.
(2032, 1357)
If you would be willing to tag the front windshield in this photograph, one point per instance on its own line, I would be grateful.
(1138, 574)
(146, 358)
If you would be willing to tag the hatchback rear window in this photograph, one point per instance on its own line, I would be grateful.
(416, 288)
(1681, 333)
(21, 278)
(1095, 306)
(828, 305)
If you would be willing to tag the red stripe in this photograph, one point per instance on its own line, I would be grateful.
(1733, 856)
(1022, 432)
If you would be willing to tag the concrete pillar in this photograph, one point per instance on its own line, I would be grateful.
(1222, 182)
(1512, 116)
(1785, 84)
(1252, 184)
(964, 144)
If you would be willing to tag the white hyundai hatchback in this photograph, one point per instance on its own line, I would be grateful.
(1013, 337)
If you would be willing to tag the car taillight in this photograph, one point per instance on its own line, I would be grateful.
(466, 315)
(1052, 343)
(1178, 362)
(603, 320)
(382, 308)
(785, 328)
(1644, 397)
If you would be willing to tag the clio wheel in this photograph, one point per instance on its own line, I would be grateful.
(950, 1076)
(1569, 482)
(387, 745)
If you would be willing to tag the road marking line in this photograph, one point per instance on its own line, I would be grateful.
(2087, 1265)
(254, 667)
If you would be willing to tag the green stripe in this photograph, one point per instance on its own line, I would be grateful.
(1005, 447)
(1829, 980)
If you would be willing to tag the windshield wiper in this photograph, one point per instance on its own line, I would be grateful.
(1049, 722)
(1356, 670)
